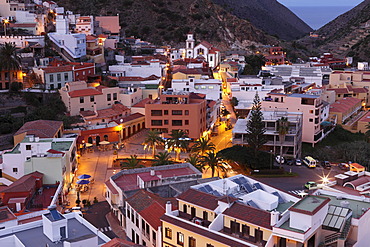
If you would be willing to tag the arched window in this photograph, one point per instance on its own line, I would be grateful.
(90, 140)
(105, 137)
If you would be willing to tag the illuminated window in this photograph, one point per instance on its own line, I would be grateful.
(168, 233)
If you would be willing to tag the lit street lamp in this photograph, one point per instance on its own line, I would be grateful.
(5, 22)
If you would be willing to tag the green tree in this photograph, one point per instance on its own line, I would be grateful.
(9, 60)
(202, 145)
(194, 160)
(131, 163)
(162, 159)
(253, 64)
(367, 133)
(255, 127)
(152, 140)
(282, 128)
(178, 142)
(213, 161)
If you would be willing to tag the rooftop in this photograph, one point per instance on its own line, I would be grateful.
(310, 204)
(41, 128)
(344, 105)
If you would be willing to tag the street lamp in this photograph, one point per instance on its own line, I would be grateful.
(5, 22)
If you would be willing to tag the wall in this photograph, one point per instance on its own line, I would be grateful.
(52, 168)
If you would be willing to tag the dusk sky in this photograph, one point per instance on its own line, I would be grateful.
(320, 2)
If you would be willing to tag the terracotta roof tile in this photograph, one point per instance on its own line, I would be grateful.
(129, 118)
(365, 118)
(84, 92)
(111, 187)
(56, 69)
(112, 112)
(344, 105)
(24, 184)
(41, 128)
(142, 103)
(249, 214)
(200, 198)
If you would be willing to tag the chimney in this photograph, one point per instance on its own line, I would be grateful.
(152, 172)
(168, 207)
(37, 139)
(274, 217)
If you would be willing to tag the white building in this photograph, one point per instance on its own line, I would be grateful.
(54, 229)
(142, 69)
(70, 45)
(54, 157)
(210, 87)
(85, 24)
(23, 41)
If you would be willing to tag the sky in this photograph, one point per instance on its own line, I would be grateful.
(320, 2)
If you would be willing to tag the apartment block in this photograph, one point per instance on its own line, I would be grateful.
(175, 111)
(240, 211)
(315, 112)
(292, 143)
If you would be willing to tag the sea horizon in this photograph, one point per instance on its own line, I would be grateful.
(318, 16)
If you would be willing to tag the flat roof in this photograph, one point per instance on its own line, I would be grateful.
(310, 204)
(355, 205)
(35, 237)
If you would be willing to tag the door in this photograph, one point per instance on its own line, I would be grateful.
(97, 140)
(63, 232)
(258, 234)
(193, 212)
(185, 208)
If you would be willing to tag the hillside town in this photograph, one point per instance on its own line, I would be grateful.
(111, 140)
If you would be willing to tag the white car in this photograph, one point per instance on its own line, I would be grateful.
(278, 159)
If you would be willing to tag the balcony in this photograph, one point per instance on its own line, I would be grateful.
(243, 236)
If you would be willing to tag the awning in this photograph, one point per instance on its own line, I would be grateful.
(17, 200)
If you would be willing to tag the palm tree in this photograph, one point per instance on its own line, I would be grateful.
(151, 141)
(202, 145)
(282, 128)
(178, 142)
(162, 159)
(367, 133)
(213, 161)
(9, 59)
(131, 163)
(194, 160)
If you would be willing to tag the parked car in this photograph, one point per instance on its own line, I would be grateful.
(278, 159)
(310, 185)
(325, 164)
(298, 162)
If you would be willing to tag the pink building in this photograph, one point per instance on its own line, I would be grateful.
(185, 111)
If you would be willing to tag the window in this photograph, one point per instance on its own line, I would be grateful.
(92, 98)
(157, 122)
(82, 100)
(109, 97)
(59, 77)
(165, 122)
(137, 220)
(168, 233)
(82, 109)
(186, 112)
(176, 112)
(51, 86)
(114, 96)
(59, 85)
(176, 122)
(311, 111)
(154, 236)
(186, 122)
(211, 87)
(192, 242)
(338, 95)
(51, 78)
(128, 212)
(180, 238)
(28, 147)
(15, 169)
(203, 87)
(209, 245)
(156, 112)
(311, 120)
(165, 112)
(66, 77)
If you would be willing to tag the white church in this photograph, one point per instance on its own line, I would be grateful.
(205, 50)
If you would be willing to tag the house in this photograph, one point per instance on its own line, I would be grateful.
(292, 143)
(108, 24)
(315, 118)
(7, 77)
(165, 181)
(39, 128)
(177, 111)
(139, 69)
(345, 91)
(54, 229)
(9, 9)
(276, 56)
(345, 108)
(23, 41)
(212, 88)
(94, 49)
(182, 72)
(85, 24)
(107, 115)
(54, 77)
(54, 157)
(78, 96)
(71, 46)
(143, 226)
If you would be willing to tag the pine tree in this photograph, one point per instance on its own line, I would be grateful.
(255, 127)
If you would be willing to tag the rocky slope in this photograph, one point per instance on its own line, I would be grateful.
(167, 21)
(269, 16)
(348, 34)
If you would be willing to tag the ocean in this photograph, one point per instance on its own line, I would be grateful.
(318, 16)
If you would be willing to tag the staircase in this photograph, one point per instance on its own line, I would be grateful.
(339, 235)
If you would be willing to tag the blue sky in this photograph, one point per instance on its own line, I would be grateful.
(320, 2)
